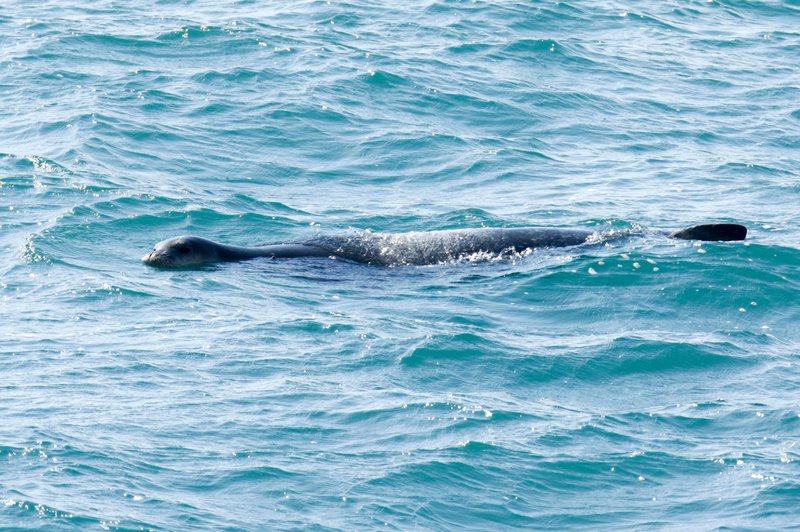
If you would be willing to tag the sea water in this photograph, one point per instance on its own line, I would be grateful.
(638, 383)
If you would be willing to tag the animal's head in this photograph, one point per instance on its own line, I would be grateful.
(183, 251)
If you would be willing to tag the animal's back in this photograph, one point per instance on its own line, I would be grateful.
(444, 246)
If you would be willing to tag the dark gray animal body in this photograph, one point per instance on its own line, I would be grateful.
(407, 248)
(437, 247)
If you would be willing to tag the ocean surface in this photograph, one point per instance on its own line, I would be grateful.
(636, 383)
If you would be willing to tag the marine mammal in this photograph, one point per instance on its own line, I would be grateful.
(405, 248)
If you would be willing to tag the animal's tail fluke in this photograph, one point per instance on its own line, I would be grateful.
(712, 232)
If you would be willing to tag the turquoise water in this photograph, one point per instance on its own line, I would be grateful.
(644, 383)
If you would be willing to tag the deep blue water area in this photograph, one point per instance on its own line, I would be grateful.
(638, 383)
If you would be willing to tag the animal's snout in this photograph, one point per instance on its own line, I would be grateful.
(150, 257)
